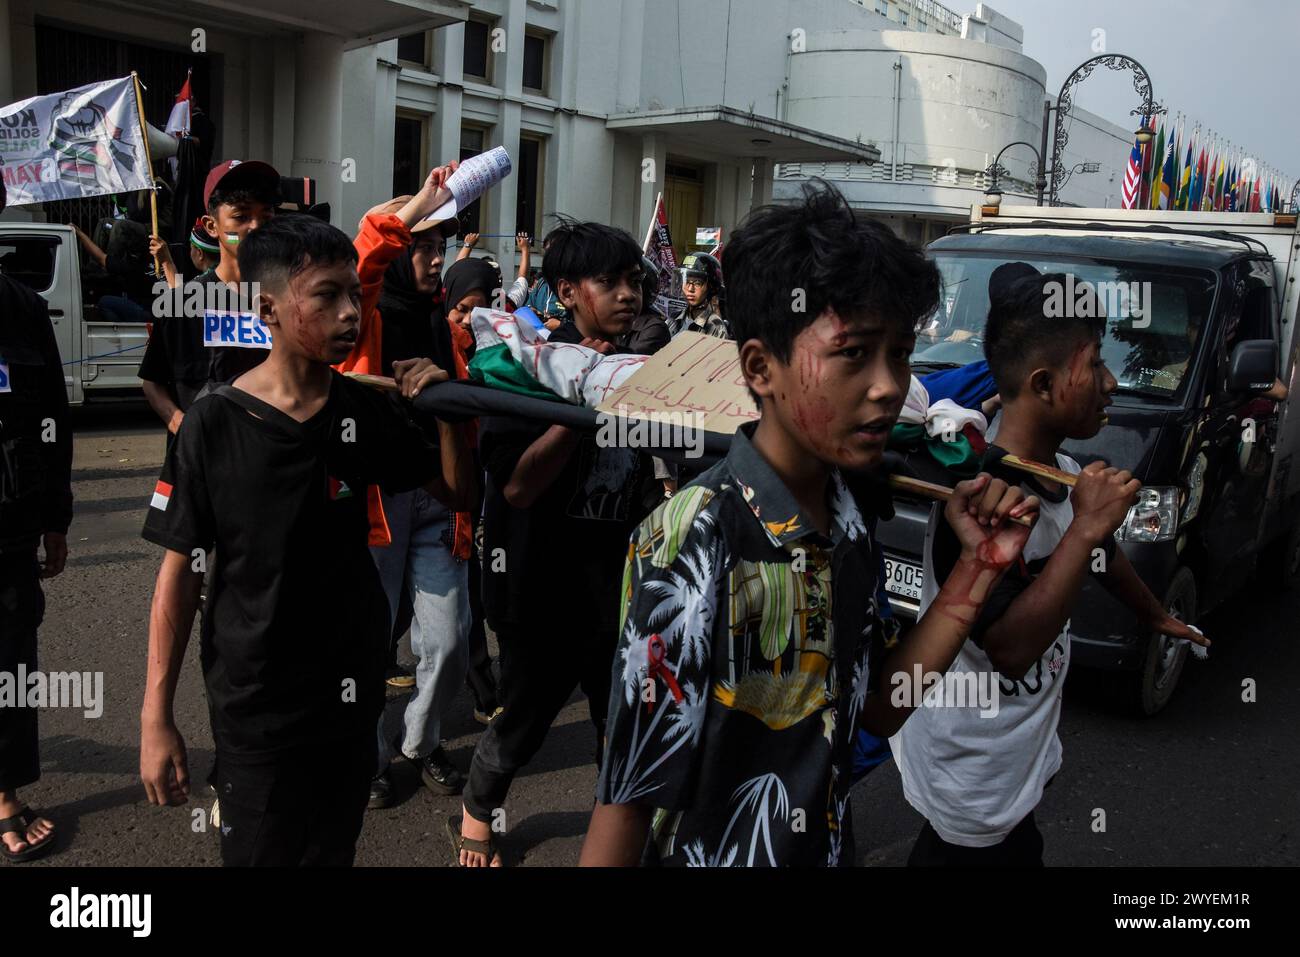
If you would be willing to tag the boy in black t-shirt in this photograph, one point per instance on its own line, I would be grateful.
(191, 347)
(268, 476)
(556, 504)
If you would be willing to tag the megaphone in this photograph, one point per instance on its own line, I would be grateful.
(161, 145)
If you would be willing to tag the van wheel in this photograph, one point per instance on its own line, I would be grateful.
(1153, 684)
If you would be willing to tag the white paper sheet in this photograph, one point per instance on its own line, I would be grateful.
(472, 179)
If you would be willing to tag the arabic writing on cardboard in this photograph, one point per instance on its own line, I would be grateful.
(695, 374)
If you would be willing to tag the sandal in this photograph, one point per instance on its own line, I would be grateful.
(460, 843)
(19, 824)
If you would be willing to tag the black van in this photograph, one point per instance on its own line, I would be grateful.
(1193, 355)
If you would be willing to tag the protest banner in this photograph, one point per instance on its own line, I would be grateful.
(84, 142)
(658, 248)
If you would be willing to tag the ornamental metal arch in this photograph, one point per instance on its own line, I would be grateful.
(1065, 99)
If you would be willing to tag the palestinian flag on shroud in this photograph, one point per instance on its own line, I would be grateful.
(512, 356)
(941, 423)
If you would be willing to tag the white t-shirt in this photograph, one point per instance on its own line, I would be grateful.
(975, 775)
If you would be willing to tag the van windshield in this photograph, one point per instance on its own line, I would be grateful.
(1154, 316)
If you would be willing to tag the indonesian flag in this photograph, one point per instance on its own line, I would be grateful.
(179, 121)
(162, 494)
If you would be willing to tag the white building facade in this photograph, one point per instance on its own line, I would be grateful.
(720, 105)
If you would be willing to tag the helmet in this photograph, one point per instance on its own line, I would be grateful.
(706, 267)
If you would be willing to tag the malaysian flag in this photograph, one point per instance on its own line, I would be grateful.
(1132, 177)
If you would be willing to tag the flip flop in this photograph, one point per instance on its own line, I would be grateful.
(18, 824)
(458, 843)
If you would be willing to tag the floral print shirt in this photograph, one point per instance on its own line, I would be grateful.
(747, 647)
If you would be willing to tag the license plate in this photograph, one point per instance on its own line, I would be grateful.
(903, 579)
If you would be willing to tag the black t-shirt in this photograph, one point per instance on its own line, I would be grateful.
(577, 529)
(186, 351)
(296, 627)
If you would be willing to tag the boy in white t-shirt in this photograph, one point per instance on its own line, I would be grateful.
(975, 759)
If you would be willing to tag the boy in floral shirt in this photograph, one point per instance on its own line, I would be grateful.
(752, 644)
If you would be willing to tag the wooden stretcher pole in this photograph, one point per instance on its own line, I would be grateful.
(940, 493)
(1042, 471)
(153, 187)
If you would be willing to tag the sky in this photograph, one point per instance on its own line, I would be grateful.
(1229, 64)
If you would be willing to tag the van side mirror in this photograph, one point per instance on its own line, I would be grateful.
(1253, 366)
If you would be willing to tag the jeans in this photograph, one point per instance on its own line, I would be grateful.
(438, 584)
(122, 309)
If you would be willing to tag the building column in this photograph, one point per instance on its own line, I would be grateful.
(318, 117)
(652, 148)
(761, 193)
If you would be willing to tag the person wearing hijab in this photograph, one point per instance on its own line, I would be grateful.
(428, 547)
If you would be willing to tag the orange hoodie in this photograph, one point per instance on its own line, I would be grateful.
(384, 237)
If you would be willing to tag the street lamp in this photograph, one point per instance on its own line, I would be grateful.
(993, 195)
(1064, 100)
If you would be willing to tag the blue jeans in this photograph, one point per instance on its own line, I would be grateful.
(420, 556)
(122, 309)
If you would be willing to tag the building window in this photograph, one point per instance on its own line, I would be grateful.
(882, 7)
(478, 55)
(414, 48)
(473, 140)
(536, 62)
(902, 17)
(529, 198)
(410, 163)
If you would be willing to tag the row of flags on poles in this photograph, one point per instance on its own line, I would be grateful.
(1203, 177)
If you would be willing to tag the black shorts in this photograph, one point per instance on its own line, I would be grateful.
(304, 809)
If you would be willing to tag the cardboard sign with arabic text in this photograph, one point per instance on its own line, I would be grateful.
(695, 375)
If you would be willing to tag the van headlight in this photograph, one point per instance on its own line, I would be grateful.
(1153, 518)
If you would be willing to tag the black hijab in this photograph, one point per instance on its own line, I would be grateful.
(466, 276)
(414, 325)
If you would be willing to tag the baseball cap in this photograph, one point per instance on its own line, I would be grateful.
(449, 227)
(235, 173)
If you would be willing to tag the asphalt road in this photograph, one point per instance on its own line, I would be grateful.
(1210, 781)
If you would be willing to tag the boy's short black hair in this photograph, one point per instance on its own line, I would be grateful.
(232, 197)
(576, 251)
(816, 253)
(275, 253)
(1031, 324)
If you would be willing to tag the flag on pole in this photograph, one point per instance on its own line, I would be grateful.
(1144, 195)
(179, 121)
(1198, 183)
(1185, 181)
(658, 248)
(84, 142)
(1157, 173)
(1169, 174)
(1132, 178)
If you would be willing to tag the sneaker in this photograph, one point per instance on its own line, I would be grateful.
(381, 792)
(484, 717)
(438, 773)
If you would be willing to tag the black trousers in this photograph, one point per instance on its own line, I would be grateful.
(22, 607)
(479, 677)
(300, 810)
(540, 667)
(1023, 847)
